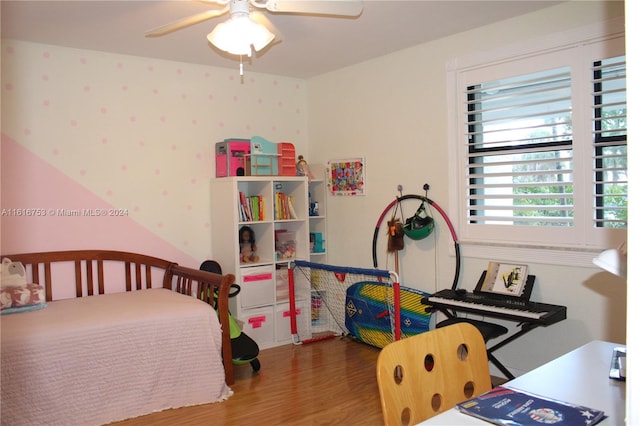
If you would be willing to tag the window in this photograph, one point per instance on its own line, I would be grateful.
(610, 142)
(520, 159)
(541, 147)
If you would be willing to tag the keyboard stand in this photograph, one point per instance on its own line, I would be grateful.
(525, 324)
(524, 329)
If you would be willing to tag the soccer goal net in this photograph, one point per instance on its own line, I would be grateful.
(368, 304)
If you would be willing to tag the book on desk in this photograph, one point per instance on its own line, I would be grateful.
(505, 406)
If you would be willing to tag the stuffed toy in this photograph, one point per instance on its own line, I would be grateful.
(13, 274)
(395, 239)
(5, 299)
(15, 293)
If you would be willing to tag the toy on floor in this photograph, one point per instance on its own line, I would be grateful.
(244, 350)
(368, 311)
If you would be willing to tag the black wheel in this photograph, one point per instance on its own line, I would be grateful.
(255, 364)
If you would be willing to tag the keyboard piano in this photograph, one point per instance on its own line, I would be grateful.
(528, 315)
(514, 310)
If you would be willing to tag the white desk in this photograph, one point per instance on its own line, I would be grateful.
(580, 377)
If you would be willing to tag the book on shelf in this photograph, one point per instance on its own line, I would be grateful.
(505, 406)
(505, 278)
(260, 207)
(292, 211)
(284, 206)
(253, 207)
(250, 208)
(257, 208)
(277, 206)
(242, 207)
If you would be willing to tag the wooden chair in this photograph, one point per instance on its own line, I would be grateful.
(428, 373)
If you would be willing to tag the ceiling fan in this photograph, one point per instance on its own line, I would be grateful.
(243, 32)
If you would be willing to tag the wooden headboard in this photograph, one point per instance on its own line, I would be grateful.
(138, 272)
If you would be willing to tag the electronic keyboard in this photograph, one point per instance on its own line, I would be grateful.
(505, 307)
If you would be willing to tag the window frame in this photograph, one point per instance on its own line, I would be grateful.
(554, 245)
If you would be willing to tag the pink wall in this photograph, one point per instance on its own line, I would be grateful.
(30, 183)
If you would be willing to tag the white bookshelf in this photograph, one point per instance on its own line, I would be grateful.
(318, 215)
(263, 302)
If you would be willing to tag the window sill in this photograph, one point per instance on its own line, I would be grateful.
(565, 256)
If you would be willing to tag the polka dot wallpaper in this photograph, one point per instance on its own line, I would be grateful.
(139, 133)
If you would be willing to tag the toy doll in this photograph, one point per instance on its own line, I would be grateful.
(248, 245)
(302, 168)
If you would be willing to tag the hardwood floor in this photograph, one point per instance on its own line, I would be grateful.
(330, 382)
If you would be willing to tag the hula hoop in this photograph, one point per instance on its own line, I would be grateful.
(452, 231)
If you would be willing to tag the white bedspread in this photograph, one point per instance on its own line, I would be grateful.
(99, 359)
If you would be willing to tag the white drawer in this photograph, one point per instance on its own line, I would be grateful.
(257, 286)
(258, 324)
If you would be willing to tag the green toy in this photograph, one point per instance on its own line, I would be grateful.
(244, 350)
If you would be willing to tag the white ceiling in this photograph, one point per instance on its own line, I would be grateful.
(307, 45)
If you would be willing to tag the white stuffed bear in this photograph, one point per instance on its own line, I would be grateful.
(15, 294)
(13, 274)
(5, 300)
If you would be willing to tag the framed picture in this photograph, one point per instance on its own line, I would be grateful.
(346, 177)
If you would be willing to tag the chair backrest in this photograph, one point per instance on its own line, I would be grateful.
(428, 373)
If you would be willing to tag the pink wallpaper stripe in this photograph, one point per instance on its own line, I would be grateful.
(28, 182)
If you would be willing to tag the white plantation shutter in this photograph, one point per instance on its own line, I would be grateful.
(610, 142)
(520, 162)
(541, 151)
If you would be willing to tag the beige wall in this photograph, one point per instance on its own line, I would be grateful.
(130, 133)
(393, 111)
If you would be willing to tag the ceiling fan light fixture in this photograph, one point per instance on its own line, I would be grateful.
(238, 34)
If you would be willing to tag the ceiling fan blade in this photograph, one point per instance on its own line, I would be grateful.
(316, 7)
(186, 22)
(220, 2)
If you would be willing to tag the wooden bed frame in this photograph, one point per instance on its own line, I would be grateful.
(139, 269)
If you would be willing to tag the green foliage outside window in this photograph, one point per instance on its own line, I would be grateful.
(613, 194)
